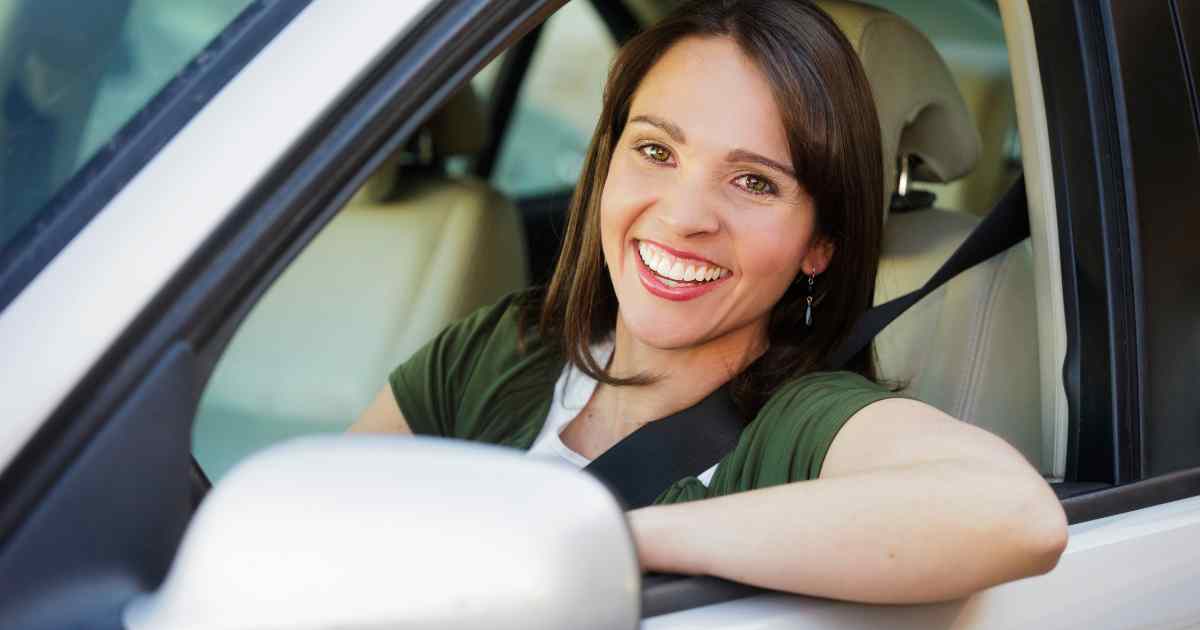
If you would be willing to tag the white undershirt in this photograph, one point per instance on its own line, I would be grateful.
(571, 393)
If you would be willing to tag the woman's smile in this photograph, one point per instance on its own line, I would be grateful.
(675, 275)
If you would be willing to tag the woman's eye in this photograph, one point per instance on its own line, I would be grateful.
(655, 152)
(757, 185)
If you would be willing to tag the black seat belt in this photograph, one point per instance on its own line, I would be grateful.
(1006, 225)
(685, 444)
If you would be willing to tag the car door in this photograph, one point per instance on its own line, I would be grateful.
(142, 237)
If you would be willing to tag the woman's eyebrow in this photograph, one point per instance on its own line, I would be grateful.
(736, 155)
(671, 128)
(742, 155)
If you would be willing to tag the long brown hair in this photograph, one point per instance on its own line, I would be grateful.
(834, 139)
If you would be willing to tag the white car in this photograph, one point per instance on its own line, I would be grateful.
(223, 223)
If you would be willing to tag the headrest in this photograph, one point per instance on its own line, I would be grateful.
(921, 112)
(459, 128)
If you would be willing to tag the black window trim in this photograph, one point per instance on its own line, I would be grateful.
(95, 183)
(1089, 174)
(1175, 486)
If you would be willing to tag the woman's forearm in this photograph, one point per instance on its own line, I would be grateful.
(928, 532)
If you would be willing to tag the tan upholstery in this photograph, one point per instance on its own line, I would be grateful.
(458, 129)
(970, 348)
(989, 96)
(402, 260)
(921, 112)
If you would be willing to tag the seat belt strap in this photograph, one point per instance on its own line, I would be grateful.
(644, 464)
(685, 444)
(1006, 225)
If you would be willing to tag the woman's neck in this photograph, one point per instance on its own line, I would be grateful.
(683, 376)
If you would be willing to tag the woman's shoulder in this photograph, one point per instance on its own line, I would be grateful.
(507, 327)
(823, 388)
(788, 438)
(820, 401)
(503, 317)
(489, 364)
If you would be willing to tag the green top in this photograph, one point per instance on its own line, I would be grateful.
(472, 382)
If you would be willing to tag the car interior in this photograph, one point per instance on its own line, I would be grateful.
(434, 235)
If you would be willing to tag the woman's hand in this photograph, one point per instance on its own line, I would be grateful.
(912, 506)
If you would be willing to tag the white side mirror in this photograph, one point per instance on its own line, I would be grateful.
(399, 532)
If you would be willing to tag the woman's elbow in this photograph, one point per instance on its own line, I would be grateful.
(1044, 535)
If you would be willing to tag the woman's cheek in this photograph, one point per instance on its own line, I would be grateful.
(633, 176)
(769, 249)
(617, 210)
(627, 190)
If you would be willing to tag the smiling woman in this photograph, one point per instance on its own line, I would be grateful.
(740, 178)
(725, 234)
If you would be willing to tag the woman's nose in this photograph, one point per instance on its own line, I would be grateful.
(689, 210)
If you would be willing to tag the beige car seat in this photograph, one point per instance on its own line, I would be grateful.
(969, 348)
(409, 254)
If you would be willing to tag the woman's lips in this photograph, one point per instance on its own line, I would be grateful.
(679, 293)
(682, 255)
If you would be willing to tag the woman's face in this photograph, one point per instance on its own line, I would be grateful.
(703, 224)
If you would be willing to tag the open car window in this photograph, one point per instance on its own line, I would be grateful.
(305, 363)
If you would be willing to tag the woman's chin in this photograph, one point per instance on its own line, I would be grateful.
(664, 333)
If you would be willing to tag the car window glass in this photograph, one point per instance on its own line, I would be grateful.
(72, 74)
(559, 102)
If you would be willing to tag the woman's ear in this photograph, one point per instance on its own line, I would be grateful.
(816, 260)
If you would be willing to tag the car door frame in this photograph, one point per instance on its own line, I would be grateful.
(1098, 176)
(121, 435)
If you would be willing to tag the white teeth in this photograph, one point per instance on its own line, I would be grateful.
(672, 269)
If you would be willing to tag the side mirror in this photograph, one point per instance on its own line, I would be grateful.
(400, 532)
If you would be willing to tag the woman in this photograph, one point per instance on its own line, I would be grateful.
(726, 231)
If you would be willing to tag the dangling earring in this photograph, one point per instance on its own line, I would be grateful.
(808, 316)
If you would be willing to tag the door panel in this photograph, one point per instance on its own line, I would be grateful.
(108, 527)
